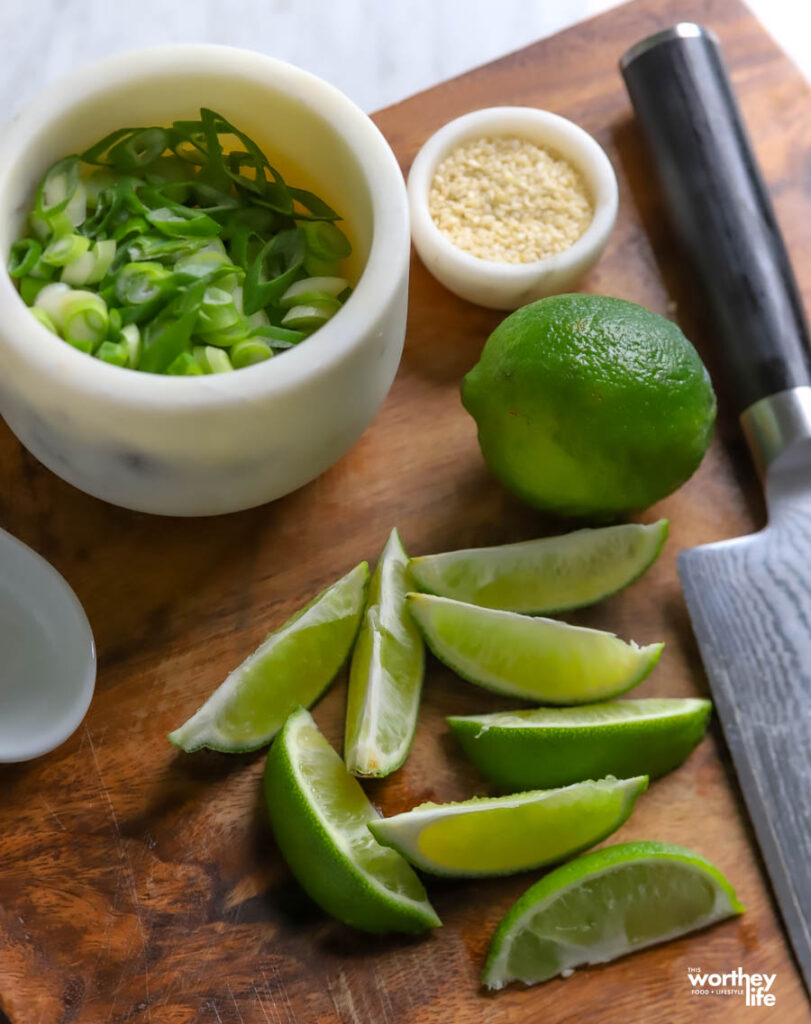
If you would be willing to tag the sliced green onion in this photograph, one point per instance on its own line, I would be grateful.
(163, 342)
(96, 153)
(212, 360)
(78, 271)
(325, 241)
(30, 287)
(138, 283)
(173, 219)
(316, 208)
(92, 266)
(273, 270)
(96, 183)
(114, 207)
(103, 255)
(276, 196)
(113, 324)
(279, 337)
(245, 240)
(184, 365)
(217, 311)
(215, 245)
(23, 257)
(44, 319)
(84, 319)
(259, 319)
(57, 188)
(51, 299)
(132, 226)
(312, 289)
(156, 247)
(40, 226)
(310, 316)
(166, 338)
(184, 247)
(216, 203)
(250, 351)
(228, 336)
(132, 339)
(65, 249)
(138, 150)
(44, 271)
(202, 263)
(113, 352)
(170, 170)
(76, 210)
(320, 268)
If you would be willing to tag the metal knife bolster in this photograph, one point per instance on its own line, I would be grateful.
(778, 426)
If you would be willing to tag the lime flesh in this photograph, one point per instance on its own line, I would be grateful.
(542, 576)
(547, 747)
(538, 659)
(503, 835)
(293, 666)
(320, 815)
(385, 679)
(603, 905)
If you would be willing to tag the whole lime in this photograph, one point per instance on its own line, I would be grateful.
(590, 406)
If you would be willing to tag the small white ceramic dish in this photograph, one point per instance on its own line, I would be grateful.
(48, 662)
(507, 285)
(206, 445)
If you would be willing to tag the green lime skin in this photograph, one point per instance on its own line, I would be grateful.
(322, 861)
(551, 747)
(590, 406)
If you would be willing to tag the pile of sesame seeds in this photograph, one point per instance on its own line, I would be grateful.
(508, 200)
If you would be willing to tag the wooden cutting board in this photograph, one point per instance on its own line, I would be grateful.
(140, 884)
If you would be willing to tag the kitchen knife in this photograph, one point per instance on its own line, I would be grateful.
(749, 598)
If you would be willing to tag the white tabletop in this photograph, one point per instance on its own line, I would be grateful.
(377, 51)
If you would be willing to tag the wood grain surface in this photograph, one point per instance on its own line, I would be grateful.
(140, 884)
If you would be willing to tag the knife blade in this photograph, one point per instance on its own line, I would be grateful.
(749, 598)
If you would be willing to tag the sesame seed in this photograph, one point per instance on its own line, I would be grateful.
(507, 200)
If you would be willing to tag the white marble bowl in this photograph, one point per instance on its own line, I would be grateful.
(510, 285)
(205, 445)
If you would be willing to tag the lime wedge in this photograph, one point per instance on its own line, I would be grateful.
(293, 666)
(538, 659)
(386, 675)
(604, 905)
(548, 747)
(553, 574)
(502, 835)
(319, 815)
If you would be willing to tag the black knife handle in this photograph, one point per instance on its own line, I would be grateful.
(720, 208)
